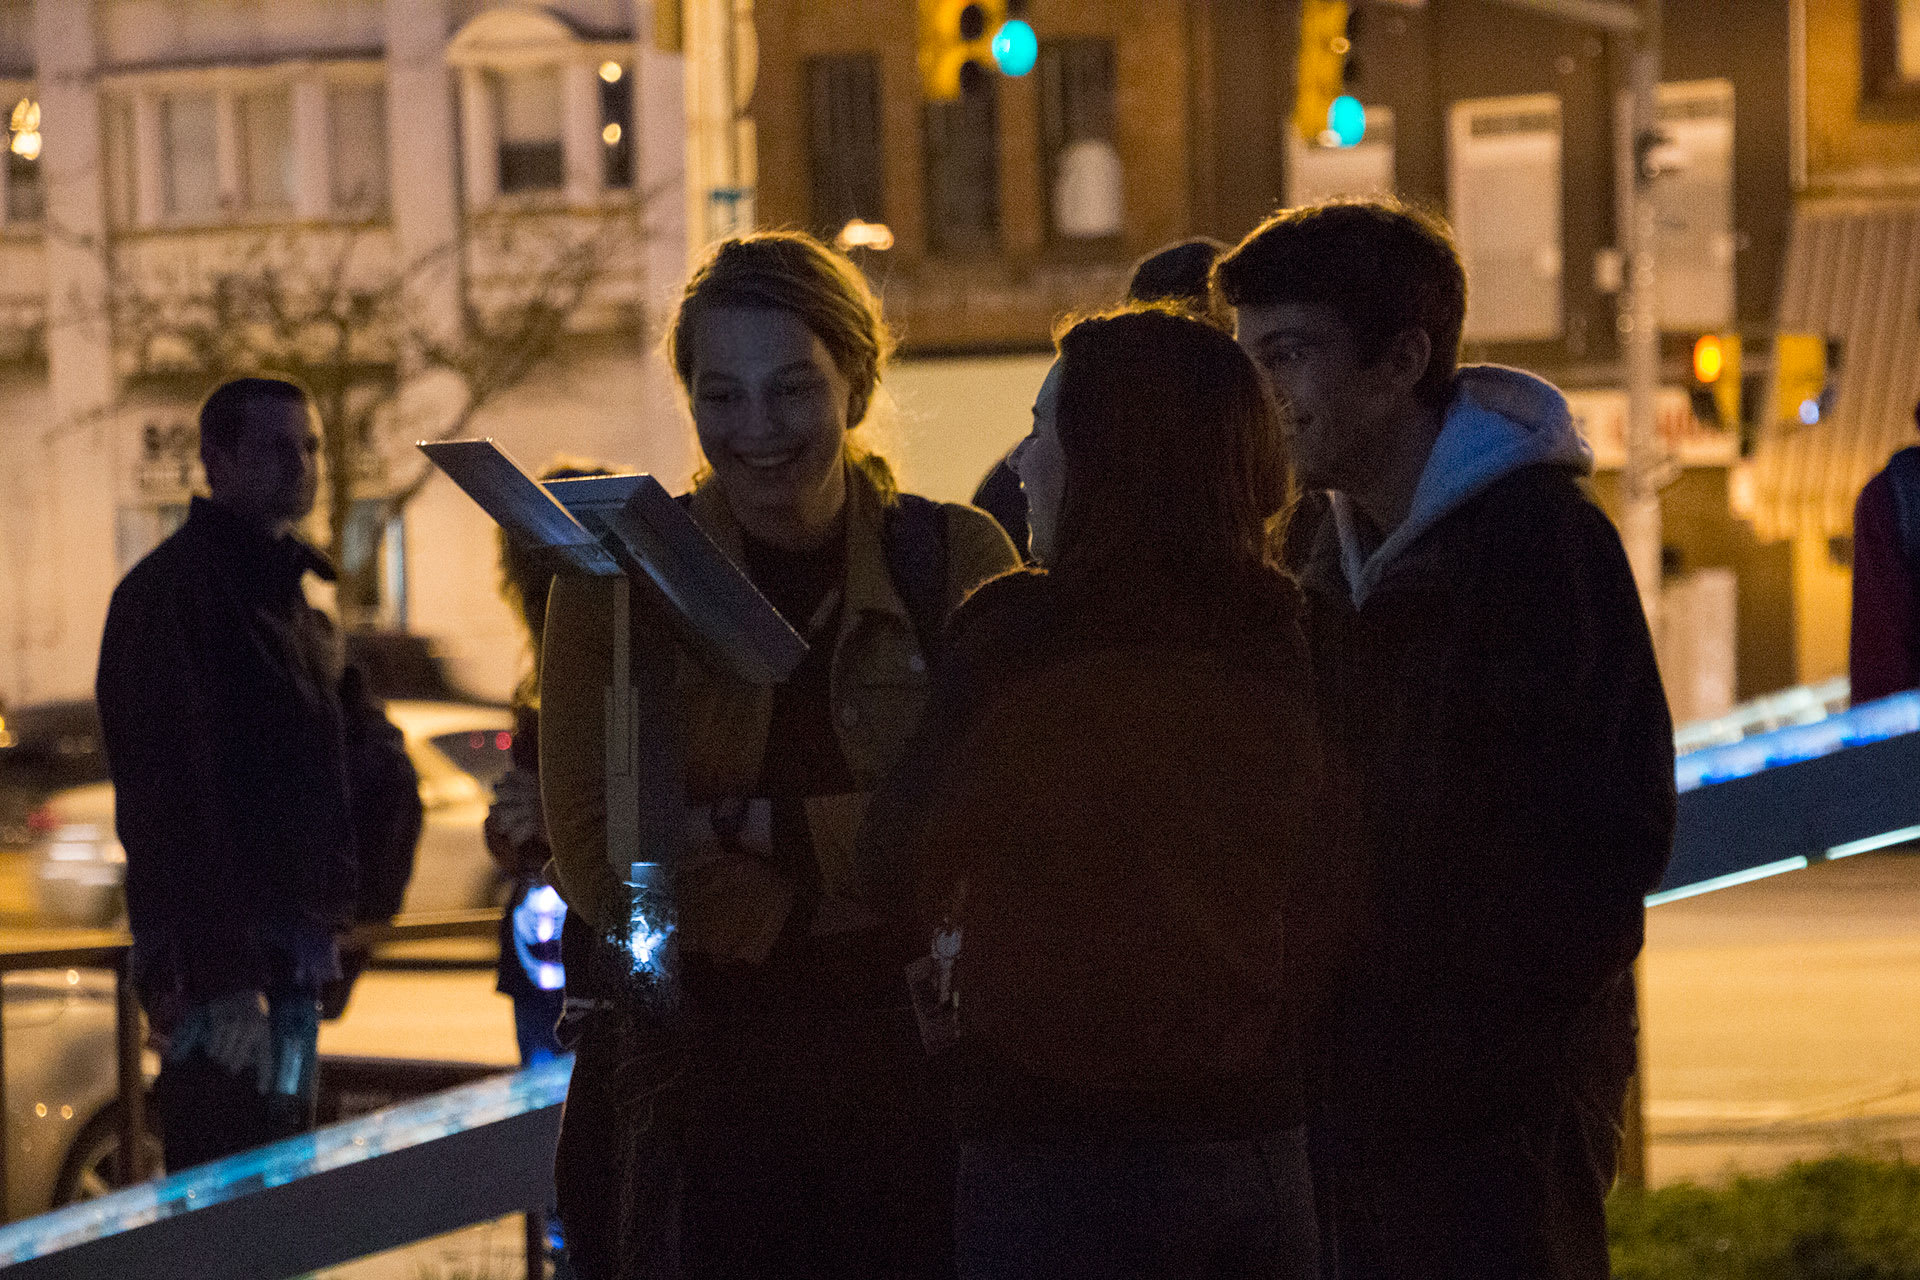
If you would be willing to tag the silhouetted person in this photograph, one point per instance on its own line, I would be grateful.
(1486, 676)
(1178, 274)
(1884, 652)
(1106, 806)
(219, 693)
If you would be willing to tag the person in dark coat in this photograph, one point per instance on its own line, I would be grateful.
(1177, 274)
(1485, 673)
(1104, 811)
(1883, 654)
(225, 736)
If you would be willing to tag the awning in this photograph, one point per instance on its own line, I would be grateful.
(1852, 273)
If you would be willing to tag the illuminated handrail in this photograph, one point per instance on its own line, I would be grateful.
(369, 1184)
(1871, 722)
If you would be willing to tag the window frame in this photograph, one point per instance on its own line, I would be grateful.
(1460, 115)
(1055, 137)
(1883, 90)
(829, 213)
(945, 241)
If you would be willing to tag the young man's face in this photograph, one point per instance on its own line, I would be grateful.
(271, 474)
(1341, 407)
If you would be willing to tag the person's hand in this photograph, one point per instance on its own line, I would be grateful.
(239, 1036)
(516, 816)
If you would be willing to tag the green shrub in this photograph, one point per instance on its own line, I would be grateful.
(1842, 1218)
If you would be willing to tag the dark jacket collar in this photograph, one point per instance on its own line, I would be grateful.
(273, 564)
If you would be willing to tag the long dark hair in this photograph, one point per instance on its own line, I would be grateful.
(1176, 461)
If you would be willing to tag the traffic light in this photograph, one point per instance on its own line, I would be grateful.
(1324, 46)
(956, 45)
(1716, 377)
(1802, 363)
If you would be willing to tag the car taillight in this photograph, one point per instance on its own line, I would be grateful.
(41, 821)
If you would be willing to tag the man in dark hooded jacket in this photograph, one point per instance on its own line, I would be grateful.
(1486, 676)
(219, 694)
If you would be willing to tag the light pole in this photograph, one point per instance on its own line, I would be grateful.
(1634, 25)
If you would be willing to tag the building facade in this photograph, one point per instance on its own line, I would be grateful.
(430, 152)
(1141, 123)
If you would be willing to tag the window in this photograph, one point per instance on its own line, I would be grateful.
(357, 146)
(266, 135)
(843, 141)
(1504, 194)
(963, 171)
(531, 155)
(1081, 165)
(25, 198)
(1694, 204)
(189, 130)
(1364, 169)
(616, 125)
(1890, 51)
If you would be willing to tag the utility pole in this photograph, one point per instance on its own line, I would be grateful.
(1639, 309)
(1634, 28)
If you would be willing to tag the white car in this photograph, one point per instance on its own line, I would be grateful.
(62, 1095)
(459, 750)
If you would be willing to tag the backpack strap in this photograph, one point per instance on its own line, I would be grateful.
(1903, 478)
(914, 534)
(915, 537)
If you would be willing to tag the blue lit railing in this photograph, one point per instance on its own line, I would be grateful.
(411, 1127)
(1873, 722)
(1785, 782)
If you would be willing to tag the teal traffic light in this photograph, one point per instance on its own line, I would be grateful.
(1347, 119)
(1015, 47)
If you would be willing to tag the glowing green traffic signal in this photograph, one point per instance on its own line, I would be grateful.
(1015, 48)
(1347, 120)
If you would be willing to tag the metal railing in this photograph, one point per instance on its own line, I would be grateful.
(108, 949)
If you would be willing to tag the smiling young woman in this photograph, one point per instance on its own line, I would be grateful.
(807, 1139)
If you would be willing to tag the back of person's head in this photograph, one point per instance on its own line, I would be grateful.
(1182, 274)
(1175, 457)
(225, 412)
(1382, 267)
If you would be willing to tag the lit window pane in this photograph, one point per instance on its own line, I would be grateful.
(1504, 197)
(1910, 39)
(266, 125)
(531, 157)
(357, 139)
(188, 124)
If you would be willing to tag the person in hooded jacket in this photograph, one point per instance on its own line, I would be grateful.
(1485, 672)
(1103, 813)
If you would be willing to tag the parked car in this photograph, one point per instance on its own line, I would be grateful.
(459, 750)
(44, 748)
(62, 1091)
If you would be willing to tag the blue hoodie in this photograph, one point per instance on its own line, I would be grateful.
(1499, 421)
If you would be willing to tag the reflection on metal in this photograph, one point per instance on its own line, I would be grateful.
(1751, 874)
(1802, 704)
(1868, 845)
(1872, 722)
(323, 1198)
(1834, 786)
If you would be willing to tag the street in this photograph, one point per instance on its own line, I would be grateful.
(1778, 1019)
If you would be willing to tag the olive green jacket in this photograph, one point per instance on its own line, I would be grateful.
(730, 904)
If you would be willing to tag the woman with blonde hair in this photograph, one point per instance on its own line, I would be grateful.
(801, 1135)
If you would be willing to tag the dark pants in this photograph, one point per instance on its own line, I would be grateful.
(1524, 1201)
(207, 1113)
(1217, 1210)
(803, 1137)
(817, 1142)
